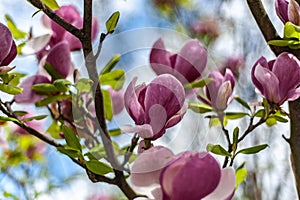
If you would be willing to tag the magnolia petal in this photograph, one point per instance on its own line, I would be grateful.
(7, 43)
(28, 95)
(146, 168)
(197, 173)
(167, 91)
(292, 95)
(36, 44)
(177, 117)
(225, 187)
(191, 60)
(262, 61)
(60, 59)
(117, 98)
(132, 105)
(74, 43)
(160, 58)
(293, 12)
(287, 70)
(270, 83)
(224, 93)
(281, 7)
(144, 131)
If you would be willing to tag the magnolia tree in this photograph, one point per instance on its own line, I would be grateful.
(80, 108)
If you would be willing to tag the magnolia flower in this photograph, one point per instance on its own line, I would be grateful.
(8, 49)
(146, 168)
(207, 27)
(277, 79)
(72, 16)
(234, 63)
(117, 99)
(219, 91)
(60, 59)
(155, 107)
(194, 176)
(28, 95)
(288, 11)
(186, 66)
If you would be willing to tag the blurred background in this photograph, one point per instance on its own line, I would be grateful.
(228, 31)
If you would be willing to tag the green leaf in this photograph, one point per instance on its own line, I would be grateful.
(291, 31)
(260, 113)
(235, 138)
(44, 87)
(115, 132)
(242, 102)
(199, 107)
(53, 73)
(39, 117)
(5, 119)
(114, 78)
(15, 77)
(20, 113)
(111, 23)
(198, 84)
(62, 85)
(17, 33)
(54, 130)
(50, 99)
(279, 118)
(281, 43)
(84, 85)
(71, 138)
(52, 4)
(108, 109)
(98, 167)
(217, 149)
(235, 115)
(10, 89)
(253, 150)
(214, 121)
(240, 176)
(71, 152)
(111, 64)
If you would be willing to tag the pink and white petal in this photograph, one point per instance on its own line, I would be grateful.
(132, 105)
(177, 117)
(160, 58)
(293, 94)
(6, 42)
(144, 131)
(225, 187)
(36, 44)
(146, 168)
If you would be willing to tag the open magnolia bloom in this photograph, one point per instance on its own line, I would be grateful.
(219, 91)
(8, 49)
(186, 66)
(196, 176)
(278, 79)
(288, 11)
(154, 107)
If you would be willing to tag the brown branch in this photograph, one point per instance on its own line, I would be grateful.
(270, 33)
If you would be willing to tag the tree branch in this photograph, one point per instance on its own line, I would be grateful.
(270, 33)
(52, 15)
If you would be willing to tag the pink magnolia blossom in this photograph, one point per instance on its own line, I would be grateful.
(288, 11)
(207, 27)
(186, 66)
(219, 91)
(234, 63)
(28, 95)
(148, 165)
(155, 107)
(117, 98)
(8, 49)
(60, 59)
(195, 176)
(72, 16)
(278, 79)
